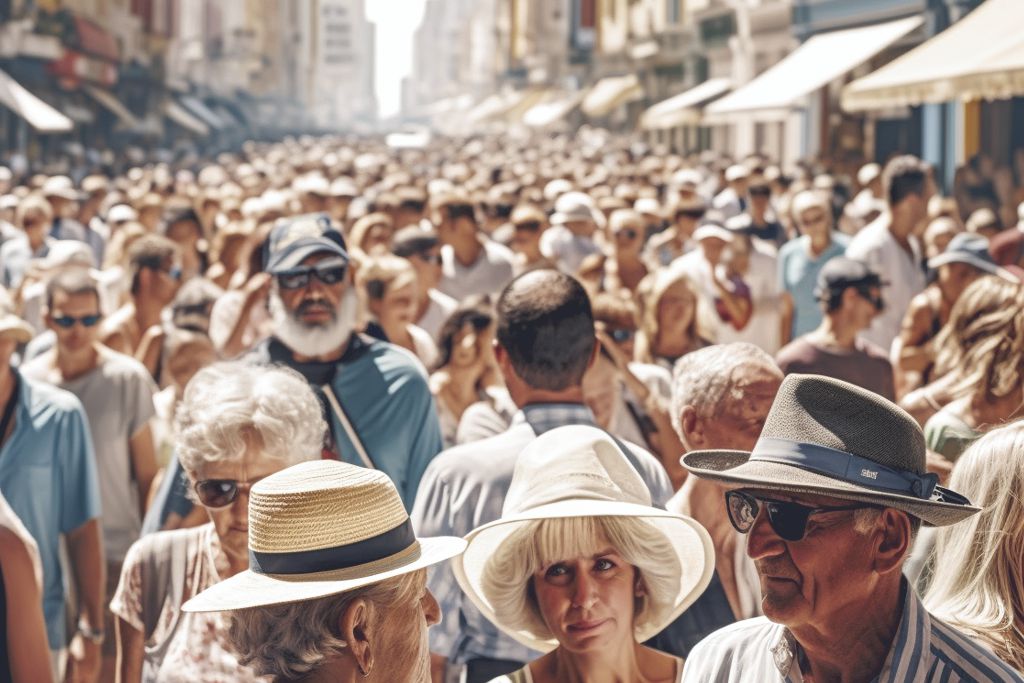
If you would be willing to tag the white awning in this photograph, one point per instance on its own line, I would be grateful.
(609, 93)
(544, 114)
(819, 61)
(197, 107)
(979, 57)
(38, 114)
(113, 105)
(177, 113)
(509, 105)
(684, 108)
(489, 107)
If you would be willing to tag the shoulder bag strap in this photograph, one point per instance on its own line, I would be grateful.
(353, 435)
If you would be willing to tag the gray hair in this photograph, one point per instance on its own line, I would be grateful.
(704, 378)
(229, 407)
(289, 640)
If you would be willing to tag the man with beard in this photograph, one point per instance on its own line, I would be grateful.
(375, 395)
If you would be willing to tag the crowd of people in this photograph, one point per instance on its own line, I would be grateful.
(567, 409)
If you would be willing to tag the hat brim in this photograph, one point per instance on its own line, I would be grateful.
(250, 589)
(691, 542)
(736, 467)
(301, 251)
(980, 264)
(16, 328)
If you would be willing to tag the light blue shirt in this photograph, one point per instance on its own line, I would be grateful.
(48, 475)
(924, 650)
(798, 275)
(464, 488)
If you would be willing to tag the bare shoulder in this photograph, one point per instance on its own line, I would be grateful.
(658, 666)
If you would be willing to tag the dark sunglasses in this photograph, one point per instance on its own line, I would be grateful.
(787, 519)
(760, 192)
(694, 214)
(528, 226)
(297, 278)
(877, 301)
(219, 493)
(628, 233)
(432, 259)
(68, 321)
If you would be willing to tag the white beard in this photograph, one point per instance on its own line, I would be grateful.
(314, 340)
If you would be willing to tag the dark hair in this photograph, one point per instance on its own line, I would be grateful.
(456, 211)
(149, 251)
(71, 283)
(194, 303)
(181, 214)
(904, 176)
(616, 311)
(546, 326)
(476, 311)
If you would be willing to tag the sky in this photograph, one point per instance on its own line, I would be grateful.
(396, 21)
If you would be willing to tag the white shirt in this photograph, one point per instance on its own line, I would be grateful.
(698, 270)
(441, 306)
(566, 249)
(876, 246)
(765, 324)
(489, 274)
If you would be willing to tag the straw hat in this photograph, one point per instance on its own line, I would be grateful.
(321, 528)
(10, 324)
(580, 471)
(828, 437)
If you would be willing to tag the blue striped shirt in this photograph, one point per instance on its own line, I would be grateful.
(463, 488)
(923, 650)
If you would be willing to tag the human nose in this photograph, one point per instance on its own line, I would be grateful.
(762, 541)
(583, 596)
(431, 609)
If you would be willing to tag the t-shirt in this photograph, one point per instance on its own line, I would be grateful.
(439, 309)
(566, 248)
(866, 365)
(764, 327)
(489, 274)
(118, 399)
(798, 275)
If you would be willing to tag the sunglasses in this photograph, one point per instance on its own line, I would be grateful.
(174, 272)
(68, 321)
(297, 278)
(528, 226)
(432, 259)
(695, 214)
(787, 519)
(875, 300)
(627, 233)
(219, 493)
(760, 192)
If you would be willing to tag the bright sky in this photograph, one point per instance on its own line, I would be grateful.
(396, 21)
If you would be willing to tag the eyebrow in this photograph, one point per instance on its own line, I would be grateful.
(606, 551)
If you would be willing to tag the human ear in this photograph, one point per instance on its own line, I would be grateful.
(691, 427)
(891, 539)
(357, 632)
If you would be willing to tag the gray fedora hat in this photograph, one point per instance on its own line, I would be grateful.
(828, 437)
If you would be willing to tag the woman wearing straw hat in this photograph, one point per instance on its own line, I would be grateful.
(237, 424)
(582, 567)
(336, 589)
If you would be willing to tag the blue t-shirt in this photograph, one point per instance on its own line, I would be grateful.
(798, 274)
(48, 475)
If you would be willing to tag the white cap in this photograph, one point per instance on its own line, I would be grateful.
(736, 172)
(343, 187)
(574, 206)
(710, 230)
(9, 201)
(687, 177)
(556, 188)
(67, 253)
(120, 213)
(647, 205)
(60, 186)
(805, 200)
(868, 172)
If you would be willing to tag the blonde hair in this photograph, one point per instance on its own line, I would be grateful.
(507, 579)
(379, 275)
(360, 232)
(977, 586)
(649, 293)
(983, 341)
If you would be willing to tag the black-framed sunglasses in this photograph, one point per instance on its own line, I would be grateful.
(528, 226)
(787, 519)
(297, 278)
(627, 233)
(432, 259)
(875, 300)
(68, 321)
(219, 493)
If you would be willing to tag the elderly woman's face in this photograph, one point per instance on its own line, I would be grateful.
(676, 308)
(588, 602)
(405, 651)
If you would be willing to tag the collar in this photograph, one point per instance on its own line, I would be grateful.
(543, 417)
(909, 649)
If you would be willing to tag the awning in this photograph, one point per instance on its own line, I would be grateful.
(204, 113)
(979, 57)
(544, 114)
(819, 61)
(177, 113)
(38, 114)
(77, 113)
(490, 106)
(511, 104)
(113, 105)
(609, 93)
(684, 108)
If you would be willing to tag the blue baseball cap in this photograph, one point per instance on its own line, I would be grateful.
(293, 240)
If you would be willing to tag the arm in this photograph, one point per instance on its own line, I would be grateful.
(151, 346)
(786, 318)
(85, 550)
(143, 463)
(129, 652)
(26, 629)
(912, 354)
(738, 307)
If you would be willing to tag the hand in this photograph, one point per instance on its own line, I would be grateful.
(84, 659)
(617, 355)
(938, 464)
(257, 288)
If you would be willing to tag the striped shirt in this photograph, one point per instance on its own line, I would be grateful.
(923, 650)
(463, 488)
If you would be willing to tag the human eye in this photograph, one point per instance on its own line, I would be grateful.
(604, 564)
(557, 573)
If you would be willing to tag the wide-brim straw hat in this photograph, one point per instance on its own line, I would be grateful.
(321, 528)
(580, 471)
(827, 437)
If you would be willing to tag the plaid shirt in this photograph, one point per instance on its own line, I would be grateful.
(463, 488)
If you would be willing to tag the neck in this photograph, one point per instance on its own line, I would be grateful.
(75, 364)
(616, 664)
(467, 250)
(332, 671)
(147, 312)
(524, 396)
(399, 334)
(35, 241)
(853, 646)
(832, 333)
(819, 243)
(901, 228)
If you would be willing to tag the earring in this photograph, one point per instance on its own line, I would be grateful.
(366, 674)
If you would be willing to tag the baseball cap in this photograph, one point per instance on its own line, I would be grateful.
(842, 272)
(293, 240)
(413, 239)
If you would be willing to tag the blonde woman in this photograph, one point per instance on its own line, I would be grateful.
(372, 234)
(670, 319)
(390, 293)
(978, 587)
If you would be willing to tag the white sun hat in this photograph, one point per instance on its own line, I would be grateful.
(321, 528)
(580, 471)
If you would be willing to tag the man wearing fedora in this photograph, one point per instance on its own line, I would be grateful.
(831, 498)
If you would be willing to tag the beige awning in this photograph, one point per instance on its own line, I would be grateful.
(491, 106)
(610, 93)
(510, 105)
(979, 57)
(177, 113)
(38, 114)
(551, 111)
(817, 62)
(113, 105)
(684, 108)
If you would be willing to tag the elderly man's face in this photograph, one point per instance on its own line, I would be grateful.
(827, 572)
(317, 303)
(740, 417)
